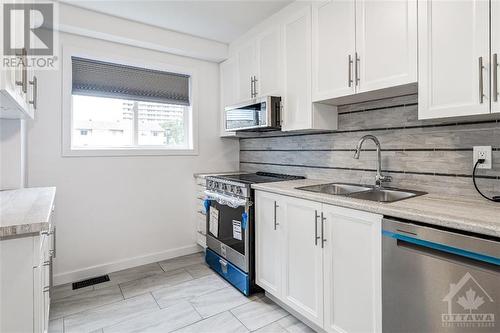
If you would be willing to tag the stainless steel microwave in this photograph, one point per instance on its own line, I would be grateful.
(257, 114)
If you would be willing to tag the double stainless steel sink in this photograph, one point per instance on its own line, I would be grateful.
(365, 192)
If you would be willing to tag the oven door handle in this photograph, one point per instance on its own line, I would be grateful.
(226, 200)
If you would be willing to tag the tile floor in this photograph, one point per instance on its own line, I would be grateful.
(181, 295)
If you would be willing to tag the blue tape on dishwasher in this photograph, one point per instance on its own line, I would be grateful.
(244, 220)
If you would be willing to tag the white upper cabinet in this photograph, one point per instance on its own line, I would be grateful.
(454, 58)
(296, 100)
(299, 113)
(352, 270)
(495, 55)
(254, 70)
(386, 43)
(276, 61)
(363, 46)
(269, 71)
(228, 90)
(18, 85)
(303, 258)
(333, 49)
(333, 42)
(247, 70)
(229, 82)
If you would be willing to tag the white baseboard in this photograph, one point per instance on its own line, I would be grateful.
(297, 315)
(107, 268)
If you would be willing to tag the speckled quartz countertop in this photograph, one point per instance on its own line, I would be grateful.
(479, 216)
(25, 211)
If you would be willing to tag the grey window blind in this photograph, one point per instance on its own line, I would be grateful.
(103, 79)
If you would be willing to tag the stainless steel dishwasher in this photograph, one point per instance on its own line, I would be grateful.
(437, 280)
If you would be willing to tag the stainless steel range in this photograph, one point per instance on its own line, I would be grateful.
(230, 225)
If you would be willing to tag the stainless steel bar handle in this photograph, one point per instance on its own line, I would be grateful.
(323, 239)
(51, 273)
(24, 73)
(54, 253)
(275, 208)
(251, 86)
(34, 98)
(356, 68)
(255, 86)
(481, 87)
(349, 75)
(316, 237)
(495, 77)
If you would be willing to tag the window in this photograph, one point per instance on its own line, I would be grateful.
(116, 107)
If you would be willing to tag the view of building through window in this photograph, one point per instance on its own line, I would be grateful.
(106, 122)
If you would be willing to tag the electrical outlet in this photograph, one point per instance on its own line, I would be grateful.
(482, 152)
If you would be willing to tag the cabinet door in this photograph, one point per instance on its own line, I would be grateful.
(246, 68)
(453, 38)
(229, 80)
(269, 76)
(297, 106)
(43, 306)
(495, 51)
(303, 258)
(333, 47)
(268, 240)
(352, 270)
(229, 90)
(386, 43)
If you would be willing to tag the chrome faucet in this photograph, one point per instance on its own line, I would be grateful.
(379, 178)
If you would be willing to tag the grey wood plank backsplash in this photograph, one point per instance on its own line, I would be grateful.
(433, 156)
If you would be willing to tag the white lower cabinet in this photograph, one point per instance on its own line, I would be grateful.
(352, 270)
(322, 261)
(303, 258)
(268, 237)
(25, 281)
(200, 214)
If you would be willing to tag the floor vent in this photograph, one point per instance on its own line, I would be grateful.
(90, 282)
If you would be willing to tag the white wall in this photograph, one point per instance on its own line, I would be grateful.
(117, 212)
(12, 153)
(85, 22)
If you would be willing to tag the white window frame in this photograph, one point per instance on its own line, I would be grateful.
(108, 55)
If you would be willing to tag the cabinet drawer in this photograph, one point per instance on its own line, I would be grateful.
(201, 224)
(200, 192)
(201, 181)
(200, 206)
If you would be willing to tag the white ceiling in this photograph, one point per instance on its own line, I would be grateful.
(221, 21)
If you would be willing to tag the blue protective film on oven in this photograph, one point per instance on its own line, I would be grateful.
(206, 203)
(244, 220)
